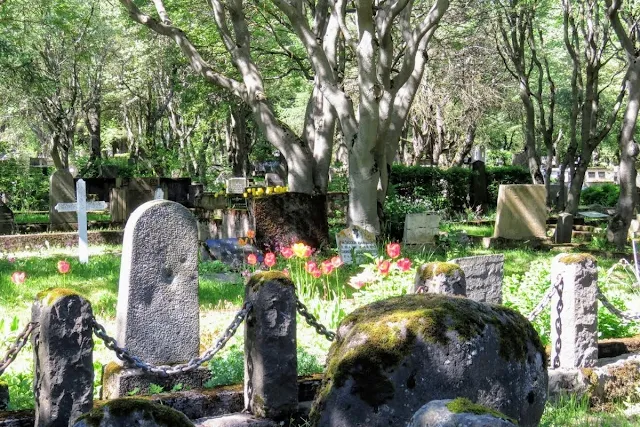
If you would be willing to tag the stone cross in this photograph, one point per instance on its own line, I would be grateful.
(82, 207)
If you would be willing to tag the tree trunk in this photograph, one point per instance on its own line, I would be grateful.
(458, 160)
(529, 133)
(573, 200)
(619, 226)
(92, 122)
(237, 142)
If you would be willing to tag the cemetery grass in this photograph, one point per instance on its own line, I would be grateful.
(526, 278)
(43, 217)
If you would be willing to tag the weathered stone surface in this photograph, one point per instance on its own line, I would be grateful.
(7, 221)
(437, 414)
(17, 419)
(575, 329)
(133, 412)
(230, 252)
(522, 212)
(235, 420)
(393, 355)
(420, 228)
(63, 356)
(118, 381)
(158, 312)
(483, 277)
(62, 190)
(440, 278)
(4, 396)
(271, 364)
(564, 228)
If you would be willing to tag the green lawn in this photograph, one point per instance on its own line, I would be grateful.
(43, 218)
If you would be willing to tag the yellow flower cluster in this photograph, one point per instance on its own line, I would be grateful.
(262, 191)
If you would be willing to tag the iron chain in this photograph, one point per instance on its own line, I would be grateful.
(20, 341)
(634, 317)
(546, 299)
(165, 370)
(312, 321)
(559, 287)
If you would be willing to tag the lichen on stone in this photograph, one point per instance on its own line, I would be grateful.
(462, 405)
(433, 269)
(258, 279)
(576, 258)
(110, 369)
(51, 295)
(125, 406)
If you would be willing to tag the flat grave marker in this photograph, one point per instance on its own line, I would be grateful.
(355, 241)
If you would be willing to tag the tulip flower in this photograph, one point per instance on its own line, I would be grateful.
(270, 259)
(252, 259)
(393, 250)
(404, 264)
(63, 267)
(287, 252)
(18, 277)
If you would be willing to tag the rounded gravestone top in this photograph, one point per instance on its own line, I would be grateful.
(133, 412)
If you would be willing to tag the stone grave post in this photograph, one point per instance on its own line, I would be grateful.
(81, 207)
(483, 277)
(574, 311)
(440, 278)
(63, 357)
(271, 364)
(61, 190)
(157, 314)
(564, 228)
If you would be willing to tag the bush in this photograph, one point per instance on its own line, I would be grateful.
(26, 188)
(602, 194)
(505, 175)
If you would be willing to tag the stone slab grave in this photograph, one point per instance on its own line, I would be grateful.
(421, 228)
(61, 190)
(81, 207)
(353, 242)
(230, 251)
(7, 220)
(157, 314)
(483, 275)
(522, 212)
(273, 180)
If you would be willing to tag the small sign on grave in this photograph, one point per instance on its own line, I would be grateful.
(355, 241)
(236, 185)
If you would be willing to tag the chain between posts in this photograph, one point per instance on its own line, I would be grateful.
(546, 299)
(559, 286)
(312, 321)
(20, 341)
(165, 370)
(634, 317)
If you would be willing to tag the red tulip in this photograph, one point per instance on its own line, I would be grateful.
(18, 277)
(251, 234)
(393, 250)
(310, 266)
(252, 259)
(11, 259)
(63, 267)
(316, 273)
(286, 272)
(337, 261)
(326, 267)
(404, 264)
(287, 252)
(383, 267)
(270, 259)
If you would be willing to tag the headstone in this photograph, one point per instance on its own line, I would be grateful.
(63, 355)
(139, 191)
(61, 190)
(522, 212)
(479, 195)
(158, 194)
(564, 228)
(81, 207)
(4, 396)
(271, 364)
(392, 356)
(236, 185)
(157, 310)
(353, 242)
(437, 414)
(483, 276)
(133, 412)
(118, 205)
(230, 251)
(574, 311)
(421, 228)
(273, 180)
(440, 278)
(7, 221)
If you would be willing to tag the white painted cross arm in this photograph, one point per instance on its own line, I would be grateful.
(73, 207)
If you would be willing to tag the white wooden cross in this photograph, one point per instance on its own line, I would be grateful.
(81, 207)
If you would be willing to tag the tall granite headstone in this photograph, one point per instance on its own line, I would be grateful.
(61, 190)
(522, 212)
(158, 311)
(483, 275)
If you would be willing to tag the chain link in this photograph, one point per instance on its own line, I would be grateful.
(312, 321)
(559, 286)
(124, 354)
(546, 299)
(634, 317)
(20, 341)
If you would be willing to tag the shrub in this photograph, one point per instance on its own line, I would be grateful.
(27, 188)
(602, 194)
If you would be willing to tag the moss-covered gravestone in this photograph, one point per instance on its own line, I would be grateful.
(4, 395)
(392, 356)
(440, 278)
(133, 412)
(458, 412)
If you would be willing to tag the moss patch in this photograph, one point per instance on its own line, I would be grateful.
(576, 258)
(433, 269)
(51, 295)
(391, 327)
(110, 369)
(259, 279)
(125, 406)
(462, 405)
